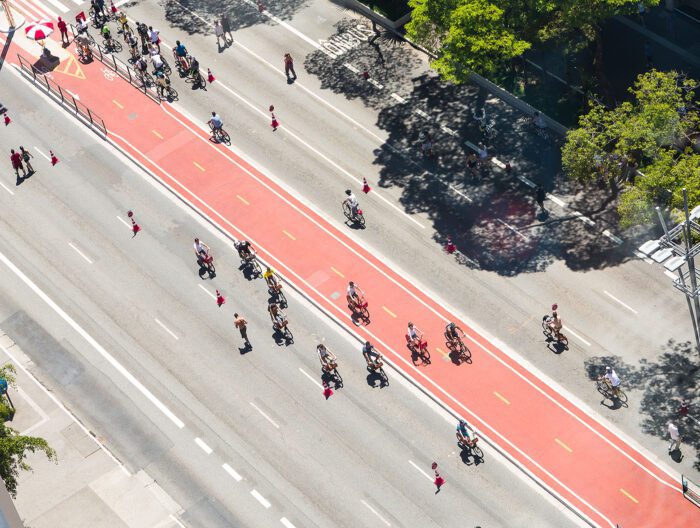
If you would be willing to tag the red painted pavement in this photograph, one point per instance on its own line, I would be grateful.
(570, 452)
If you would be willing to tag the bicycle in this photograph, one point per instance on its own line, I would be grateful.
(169, 93)
(460, 350)
(358, 218)
(421, 351)
(112, 45)
(220, 135)
(182, 63)
(604, 386)
(377, 368)
(359, 308)
(472, 446)
(206, 262)
(283, 329)
(551, 334)
(329, 372)
(196, 77)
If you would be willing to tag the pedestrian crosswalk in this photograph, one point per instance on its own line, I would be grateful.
(45, 9)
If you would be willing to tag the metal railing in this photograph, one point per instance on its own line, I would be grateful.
(67, 99)
(122, 69)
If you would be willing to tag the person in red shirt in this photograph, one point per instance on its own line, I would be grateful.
(16, 160)
(289, 66)
(63, 28)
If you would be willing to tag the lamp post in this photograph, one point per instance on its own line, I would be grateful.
(13, 22)
(678, 240)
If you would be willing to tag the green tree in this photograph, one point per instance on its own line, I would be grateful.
(652, 132)
(14, 448)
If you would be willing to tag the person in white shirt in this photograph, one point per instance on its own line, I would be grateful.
(613, 379)
(675, 438)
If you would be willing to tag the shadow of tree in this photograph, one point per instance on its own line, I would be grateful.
(663, 384)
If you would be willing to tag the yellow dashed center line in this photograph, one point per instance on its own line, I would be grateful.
(118, 104)
(442, 351)
(337, 272)
(157, 134)
(562, 444)
(289, 234)
(199, 166)
(389, 311)
(242, 199)
(500, 397)
(630, 497)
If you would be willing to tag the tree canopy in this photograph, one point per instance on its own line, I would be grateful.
(653, 134)
(483, 35)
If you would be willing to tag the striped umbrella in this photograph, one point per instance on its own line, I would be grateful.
(39, 30)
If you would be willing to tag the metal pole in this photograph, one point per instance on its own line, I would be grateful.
(691, 268)
(8, 12)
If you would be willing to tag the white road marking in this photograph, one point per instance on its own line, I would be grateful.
(556, 200)
(375, 83)
(461, 193)
(398, 98)
(40, 152)
(583, 218)
(208, 292)
(264, 415)
(58, 5)
(448, 130)
(635, 312)
(351, 68)
(262, 500)
(375, 512)
(171, 515)
(7, 189)
(612, 237)
(203, 445)
(80, 253)
(512, 229)
(419, 469)
(166, 329)
(124, 222)
(285, 522)
(63, 408)
(228, 469)
(99, 348)
(311, 378)
(643, 257)
(421, 113)
(570, 331)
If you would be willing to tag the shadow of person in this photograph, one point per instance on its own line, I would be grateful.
(247, 347)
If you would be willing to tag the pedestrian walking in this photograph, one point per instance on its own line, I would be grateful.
(274, 123)
(16, 159)
(472, 163)
(154, 38)
(26, 156)
(683, 409)
(439, 481)
(483, 154)
(142, 30)
(226, 26)
(540, 196)
(219, 32)
(242, 326)
(289, 66)
(675, 438)
(63, 28)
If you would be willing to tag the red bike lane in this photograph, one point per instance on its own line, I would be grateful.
(558, 443)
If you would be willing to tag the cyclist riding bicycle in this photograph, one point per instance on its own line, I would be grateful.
(245, 250)
(133, 45)
(351, 200)
(452, 333)
(215, 123)
(352, 295)
(106, 34)
(272, 280)
(161, 82)
(140, 65)
(279, 320)
(555, 323)
(464, 435)
(414, 335)
(194, 69)
(201, 250)
(612, 379)
(372, 357)
(158, 65)
(328, 360)
(181, 53)
(124, 22)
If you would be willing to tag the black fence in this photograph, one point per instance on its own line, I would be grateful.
(67, 100)
(143, 84)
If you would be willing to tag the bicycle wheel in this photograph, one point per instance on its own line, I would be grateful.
(282, 299)
(116, 46)
(465, 353)
(337, 378)
(288, 334)
(477, 452)
(621, 396)
(603, 388)
(347, 212)
(166, 68)
(224, 137)
(172, 94)
(563, 340)
(425, 356)
(146, 79)
(361, 219)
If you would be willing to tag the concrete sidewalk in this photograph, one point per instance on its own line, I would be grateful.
(87, 487)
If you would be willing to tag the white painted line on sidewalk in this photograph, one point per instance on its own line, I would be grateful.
(421, 113)
(80, 253)
(398, 98)
(40, 152)
(285, 522)
(583, 218)
(34, 405)
(606, 292)
(264, 415)
(419, 469)
(311, 378)
(228, 469)
(512, 229)
(556, 200)
(570, 331)
(99, 348)
(461, 193)
(262, 500)
(124, 222)
(203, 445)
(58, 5)
(448, 130)
(351, 68)
(612, 237)
(171, 515)
(526, 181)
(375, 83)
(375, 512)
(669, 273)
(7, 189)
(210, 294)
(64, 409)
(166, 329)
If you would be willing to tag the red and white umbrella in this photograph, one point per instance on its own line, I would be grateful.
(39, 30)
